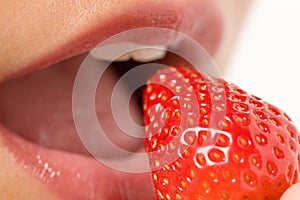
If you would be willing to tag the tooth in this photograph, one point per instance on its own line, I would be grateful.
(111, 51)
(149, 54)
(143, 53)
(124, 57)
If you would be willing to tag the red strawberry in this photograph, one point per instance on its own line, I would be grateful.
(208, 139)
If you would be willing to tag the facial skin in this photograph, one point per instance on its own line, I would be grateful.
(25, 25)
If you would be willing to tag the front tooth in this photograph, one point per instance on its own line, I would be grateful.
(143, 53)
(149, 54)
(112, 51)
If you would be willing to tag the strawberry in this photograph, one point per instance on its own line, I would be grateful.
(208, 139)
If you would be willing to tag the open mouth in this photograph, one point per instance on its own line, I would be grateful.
(36, 117)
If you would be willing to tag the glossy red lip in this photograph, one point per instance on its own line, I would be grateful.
(74, 176)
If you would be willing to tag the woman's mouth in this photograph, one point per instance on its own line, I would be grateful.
(37, 124)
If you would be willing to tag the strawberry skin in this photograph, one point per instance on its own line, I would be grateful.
(208, 139)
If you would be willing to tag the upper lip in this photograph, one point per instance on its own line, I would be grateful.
(94, 23)
(198, 19)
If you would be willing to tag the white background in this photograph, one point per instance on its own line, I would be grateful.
(266, 60)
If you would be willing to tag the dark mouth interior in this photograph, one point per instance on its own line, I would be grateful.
(38, 106)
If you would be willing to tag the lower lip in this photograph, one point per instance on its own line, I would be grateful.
(72, 176)
(77, 177)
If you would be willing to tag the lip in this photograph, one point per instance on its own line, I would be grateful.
(199, 19)
(73, 176)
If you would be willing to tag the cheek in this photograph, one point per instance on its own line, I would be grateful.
(234, 13)
(16, 184)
